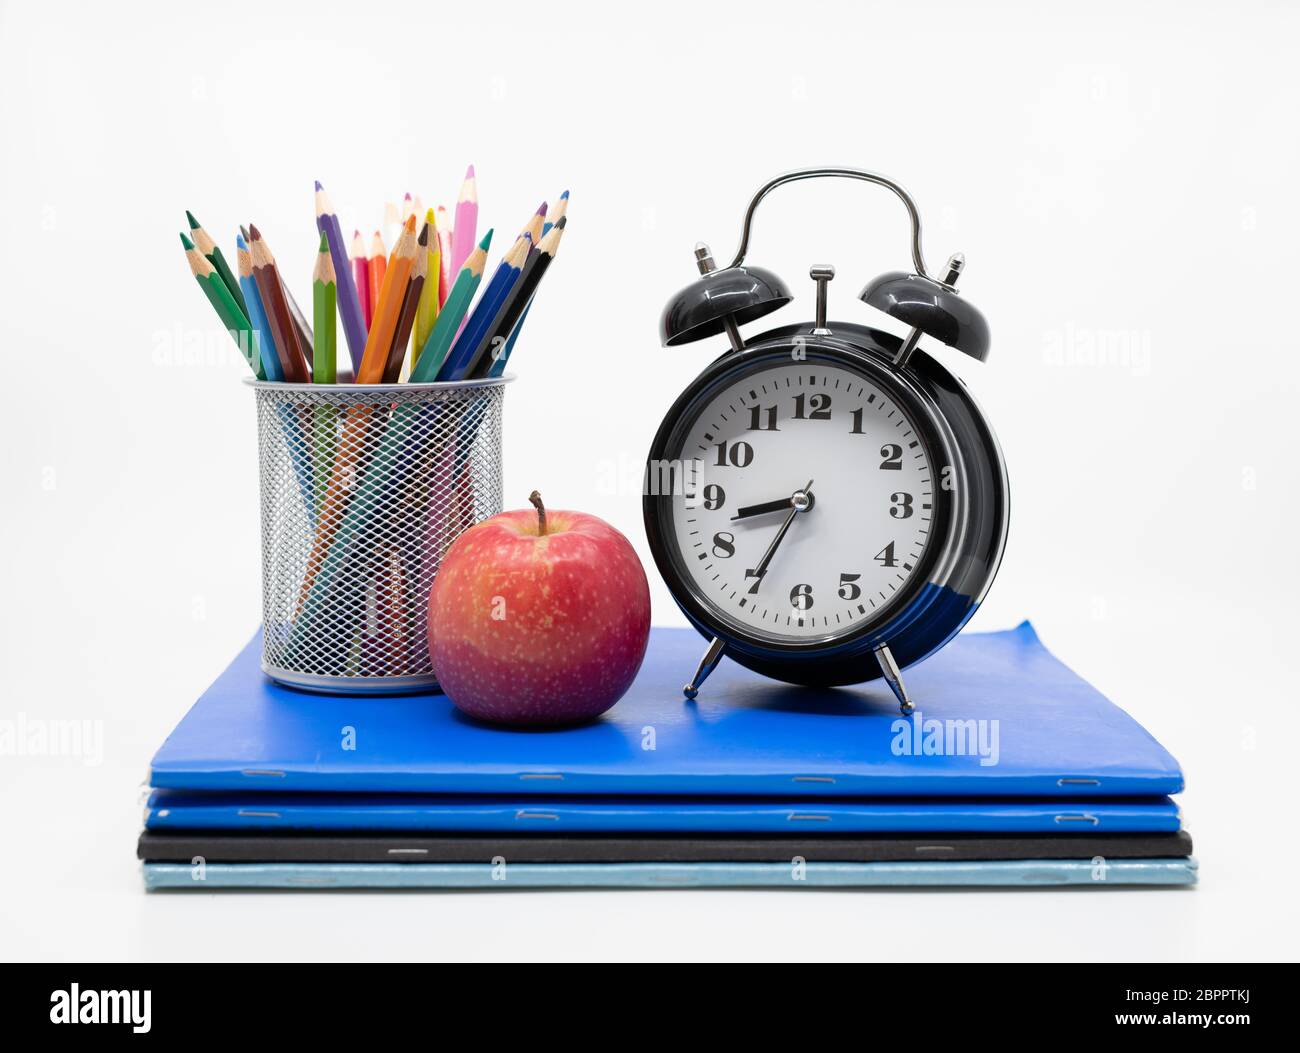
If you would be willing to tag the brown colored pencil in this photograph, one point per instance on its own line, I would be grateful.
(406, 321)
(284, 334)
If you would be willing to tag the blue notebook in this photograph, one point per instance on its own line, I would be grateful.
(196, 810)
(997, 715)
(1034, 872)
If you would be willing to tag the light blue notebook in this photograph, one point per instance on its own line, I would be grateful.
(195, 810)
(1028, 873)
(997, 716)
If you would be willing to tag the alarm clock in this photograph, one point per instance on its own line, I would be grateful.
(826, 502)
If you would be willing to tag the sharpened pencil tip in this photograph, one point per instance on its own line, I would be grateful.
(487, 241)
(186, 242)
(541, 209)
(240, 243)
(409, 225)
(564, 196)
(469, 172)
(318, 186)
(253, 233)
(194, 223)
(324, 242)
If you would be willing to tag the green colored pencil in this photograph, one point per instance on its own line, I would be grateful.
(451, 315)
(212, 251)
(324, 299)
(324, 285)
(218, 294)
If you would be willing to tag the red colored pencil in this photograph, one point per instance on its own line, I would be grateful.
(361, 275)
(375, 267)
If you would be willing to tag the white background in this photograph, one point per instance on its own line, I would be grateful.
(1117, 174)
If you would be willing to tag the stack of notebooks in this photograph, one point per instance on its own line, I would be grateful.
(1013, 771)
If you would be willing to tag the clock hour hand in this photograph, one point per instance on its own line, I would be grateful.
(763, 509)
(799, 501)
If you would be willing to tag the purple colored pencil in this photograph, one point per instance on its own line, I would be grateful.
(354, 322)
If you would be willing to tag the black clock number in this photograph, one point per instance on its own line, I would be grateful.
(758, 580)
(818, 407)
(900, 505)
(724, 544)
(714, 497)
(801, 598)
(893, 457)
(849, 589)
(762, 418)
(885, 557)
(737, 454)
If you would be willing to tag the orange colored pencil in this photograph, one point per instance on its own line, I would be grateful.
(376, 266)
(388, 307)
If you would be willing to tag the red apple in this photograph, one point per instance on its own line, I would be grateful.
(538, 617)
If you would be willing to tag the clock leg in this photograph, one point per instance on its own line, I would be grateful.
(894, 678)
(707, 664)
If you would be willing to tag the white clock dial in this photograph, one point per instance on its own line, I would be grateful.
(760, 440)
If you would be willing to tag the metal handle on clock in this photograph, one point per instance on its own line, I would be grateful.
(918, 261)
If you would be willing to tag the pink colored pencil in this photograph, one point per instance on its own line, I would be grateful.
(462, 239)
(446, 276)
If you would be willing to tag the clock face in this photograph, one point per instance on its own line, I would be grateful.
(840, 447)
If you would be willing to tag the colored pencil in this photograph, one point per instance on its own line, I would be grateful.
(295, 312)
(218, 294)
(476, 325)
(324, 286)
(388, 307)
(488, 361)
(533, 228)
(410, 306)
(376, 264)
(449, 318)
(392, 227)
(427, 312)
(256, 313)
(553, 216)
(350, 311)
(463, 233)
(361, 276)
(446, 276)
(284, 334)
(209, 248)
(408, 207)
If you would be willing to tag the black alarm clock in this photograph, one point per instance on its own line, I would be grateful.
(826, 502)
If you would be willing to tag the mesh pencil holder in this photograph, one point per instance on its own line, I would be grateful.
(363, 489)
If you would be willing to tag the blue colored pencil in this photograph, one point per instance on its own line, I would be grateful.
(476, 328)
(256, 312)
(552, 217)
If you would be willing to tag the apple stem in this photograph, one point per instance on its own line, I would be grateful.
(536, 498)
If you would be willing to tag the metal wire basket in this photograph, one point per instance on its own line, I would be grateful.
(364, 488)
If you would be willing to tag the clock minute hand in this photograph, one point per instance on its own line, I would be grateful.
(800, 501)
